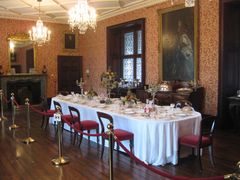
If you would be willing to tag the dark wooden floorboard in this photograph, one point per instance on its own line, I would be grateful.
(19, 161)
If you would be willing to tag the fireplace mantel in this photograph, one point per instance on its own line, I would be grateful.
(11, 83)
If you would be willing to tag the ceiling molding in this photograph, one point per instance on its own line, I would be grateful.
(133, 6)
(56, 11)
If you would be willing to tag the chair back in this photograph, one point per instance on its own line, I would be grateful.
(102, 116)
(207, 128)
(57, 106)
(75, 115)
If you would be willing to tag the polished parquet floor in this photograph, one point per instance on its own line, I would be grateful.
(19, 161)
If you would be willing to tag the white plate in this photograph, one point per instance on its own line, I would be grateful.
(181, 114)
(101, 106)
(129, 112)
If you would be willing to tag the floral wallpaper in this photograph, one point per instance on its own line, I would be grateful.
(92, 46)
(45, 55)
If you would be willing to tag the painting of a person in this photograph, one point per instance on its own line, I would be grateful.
(69, 41)
(184, 54)
(178, 45)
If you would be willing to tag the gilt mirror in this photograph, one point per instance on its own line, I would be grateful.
(21, 54)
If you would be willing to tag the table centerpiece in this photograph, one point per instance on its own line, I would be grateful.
(108, 81)
(129, 99)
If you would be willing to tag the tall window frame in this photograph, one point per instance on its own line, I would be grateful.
(115, 46)
(135, 54)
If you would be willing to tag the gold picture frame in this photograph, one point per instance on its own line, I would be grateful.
(178, 43)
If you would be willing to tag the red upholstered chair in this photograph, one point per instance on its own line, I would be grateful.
(48, 113)
(82, 125)
(67, 117)
(122, 135)
(204, 139)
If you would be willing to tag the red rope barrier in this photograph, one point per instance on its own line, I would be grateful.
(20, 107)
(5, 99)
(159, 172)
(38, 111)
(16, 103)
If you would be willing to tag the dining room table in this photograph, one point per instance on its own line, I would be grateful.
(156, 133)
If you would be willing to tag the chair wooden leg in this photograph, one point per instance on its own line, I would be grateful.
(88, 136)
(210, 149)
(199, 158)
(62, 126)
(97, 131)
(80, 140)
(103, 145)
(179, 148)
(47, 122)
(193, 151)
(131, 145)
(43, 120)
(118, 148)
(74, 137)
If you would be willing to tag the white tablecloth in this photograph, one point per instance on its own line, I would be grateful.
(155, 140)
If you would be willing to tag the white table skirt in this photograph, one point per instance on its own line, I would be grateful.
(155, 141)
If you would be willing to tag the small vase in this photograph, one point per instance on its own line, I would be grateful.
(130, 104)
(108, 100)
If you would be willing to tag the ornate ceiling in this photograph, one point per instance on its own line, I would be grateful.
(57, 10)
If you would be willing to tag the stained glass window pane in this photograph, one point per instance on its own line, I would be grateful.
(128, 69)
(128, 43)
(139, 69)
(139, 34)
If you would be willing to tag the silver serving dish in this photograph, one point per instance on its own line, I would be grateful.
(184, 90)
(165, 87)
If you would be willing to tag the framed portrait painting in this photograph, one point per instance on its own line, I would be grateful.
(178, 43)
(70, 41)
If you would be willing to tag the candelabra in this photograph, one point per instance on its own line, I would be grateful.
(80, 84)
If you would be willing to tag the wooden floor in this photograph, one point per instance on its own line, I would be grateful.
(33, 162)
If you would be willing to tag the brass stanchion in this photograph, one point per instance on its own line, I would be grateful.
(28, 140)
(13, 126)
(110, 150)
(235, 175)
(2, 118)
(61, 160)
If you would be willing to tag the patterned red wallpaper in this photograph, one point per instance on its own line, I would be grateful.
(92, 46)
(46, 54)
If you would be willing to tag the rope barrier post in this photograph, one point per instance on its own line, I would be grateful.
(2, 118)
(13, 126)
(235, 175)
(61, 160)
(28, 140)
(110, 150)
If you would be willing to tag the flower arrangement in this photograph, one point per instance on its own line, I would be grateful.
(153, 89)
(129, 98)
(91, 93)
(108, 80)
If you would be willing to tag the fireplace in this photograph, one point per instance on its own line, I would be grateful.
(32, 86)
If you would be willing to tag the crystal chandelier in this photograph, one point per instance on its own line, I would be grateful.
(82, 16)
(39, 33)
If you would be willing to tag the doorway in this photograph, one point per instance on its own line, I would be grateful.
(229, 70)
(69, 70)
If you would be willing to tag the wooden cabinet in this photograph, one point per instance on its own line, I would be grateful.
(166, 98)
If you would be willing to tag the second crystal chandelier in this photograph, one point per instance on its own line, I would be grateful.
(82, 16)
(39, 33)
